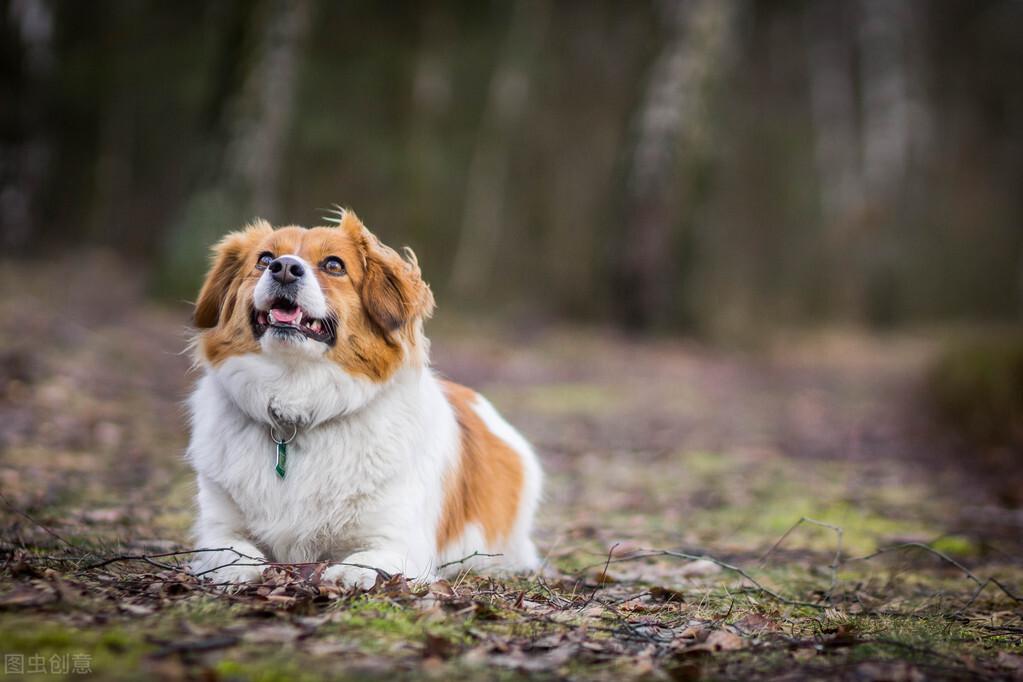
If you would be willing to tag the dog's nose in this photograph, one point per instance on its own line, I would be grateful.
(286, 269)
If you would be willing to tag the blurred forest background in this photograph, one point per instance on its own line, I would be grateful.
(710, 166)
(728, 264)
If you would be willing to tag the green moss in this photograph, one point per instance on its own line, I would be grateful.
(376, 623)
(956, 545)
(704, 464)
(267, 669)
(777, 493)
(112, 653)
(206, 610)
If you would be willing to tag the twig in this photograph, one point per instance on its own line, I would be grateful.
(557, 601)
(991, 581)
(835, 563)
(255, 561)
(466, 558)
(927, 548)
(633, 628)
(162, 555)
(32, 520)
(211, 644)
(653, 553)
(602, 579)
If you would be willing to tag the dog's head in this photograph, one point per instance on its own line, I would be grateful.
(327, 293)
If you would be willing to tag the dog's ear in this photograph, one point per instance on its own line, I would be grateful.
(392, 290)
(217, 296)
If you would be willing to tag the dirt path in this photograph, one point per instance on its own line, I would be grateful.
(833, 427)
(648, 445)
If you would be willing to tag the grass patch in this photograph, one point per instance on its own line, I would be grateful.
(112, 652)
(977, 386)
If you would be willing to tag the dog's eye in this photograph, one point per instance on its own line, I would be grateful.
(264, 261)
(332, 265)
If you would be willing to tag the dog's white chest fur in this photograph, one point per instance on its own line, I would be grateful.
(342, 473)
(365, 479)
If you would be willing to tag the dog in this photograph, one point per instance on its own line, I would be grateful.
(319, 432)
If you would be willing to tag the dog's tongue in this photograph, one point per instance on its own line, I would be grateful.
(286, 316)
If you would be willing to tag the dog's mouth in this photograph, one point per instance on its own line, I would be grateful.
(286, 317)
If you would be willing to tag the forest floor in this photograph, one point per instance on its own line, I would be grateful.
(677, 477)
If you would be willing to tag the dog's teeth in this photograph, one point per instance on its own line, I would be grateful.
(315, 325)
(270, 317)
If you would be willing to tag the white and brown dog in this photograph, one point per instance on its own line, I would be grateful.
(319, 432)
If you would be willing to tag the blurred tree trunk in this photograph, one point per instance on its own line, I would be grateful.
(833, 109)
(239, 169)
(484, 215)
(1019, 287)
(885, 41)
(263, 111)
(429, 178)
(581, 128)
(866, 128)
(109, 218)
(672, 132)
(831, 57)
(26, 157)
(885, 103)
(861, 144)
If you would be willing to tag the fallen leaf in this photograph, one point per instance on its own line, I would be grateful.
(136, 609)
(277, 633)
(110, 515)
(890, 672)
(435, 646)
(395, 585)
(699, 568)
(313, 622)
(280, 599)
(717, 640)
(755, 622)
(1010, 661)
(697, 633)
(723, 640)
(328, 647)
(24, 596)
(667, 594)
(623, 548)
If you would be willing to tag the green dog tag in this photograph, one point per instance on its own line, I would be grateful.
(282, 459)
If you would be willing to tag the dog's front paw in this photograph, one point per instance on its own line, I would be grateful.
(351, 576)
(362, 569)
(228, 567)
(236, 574)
